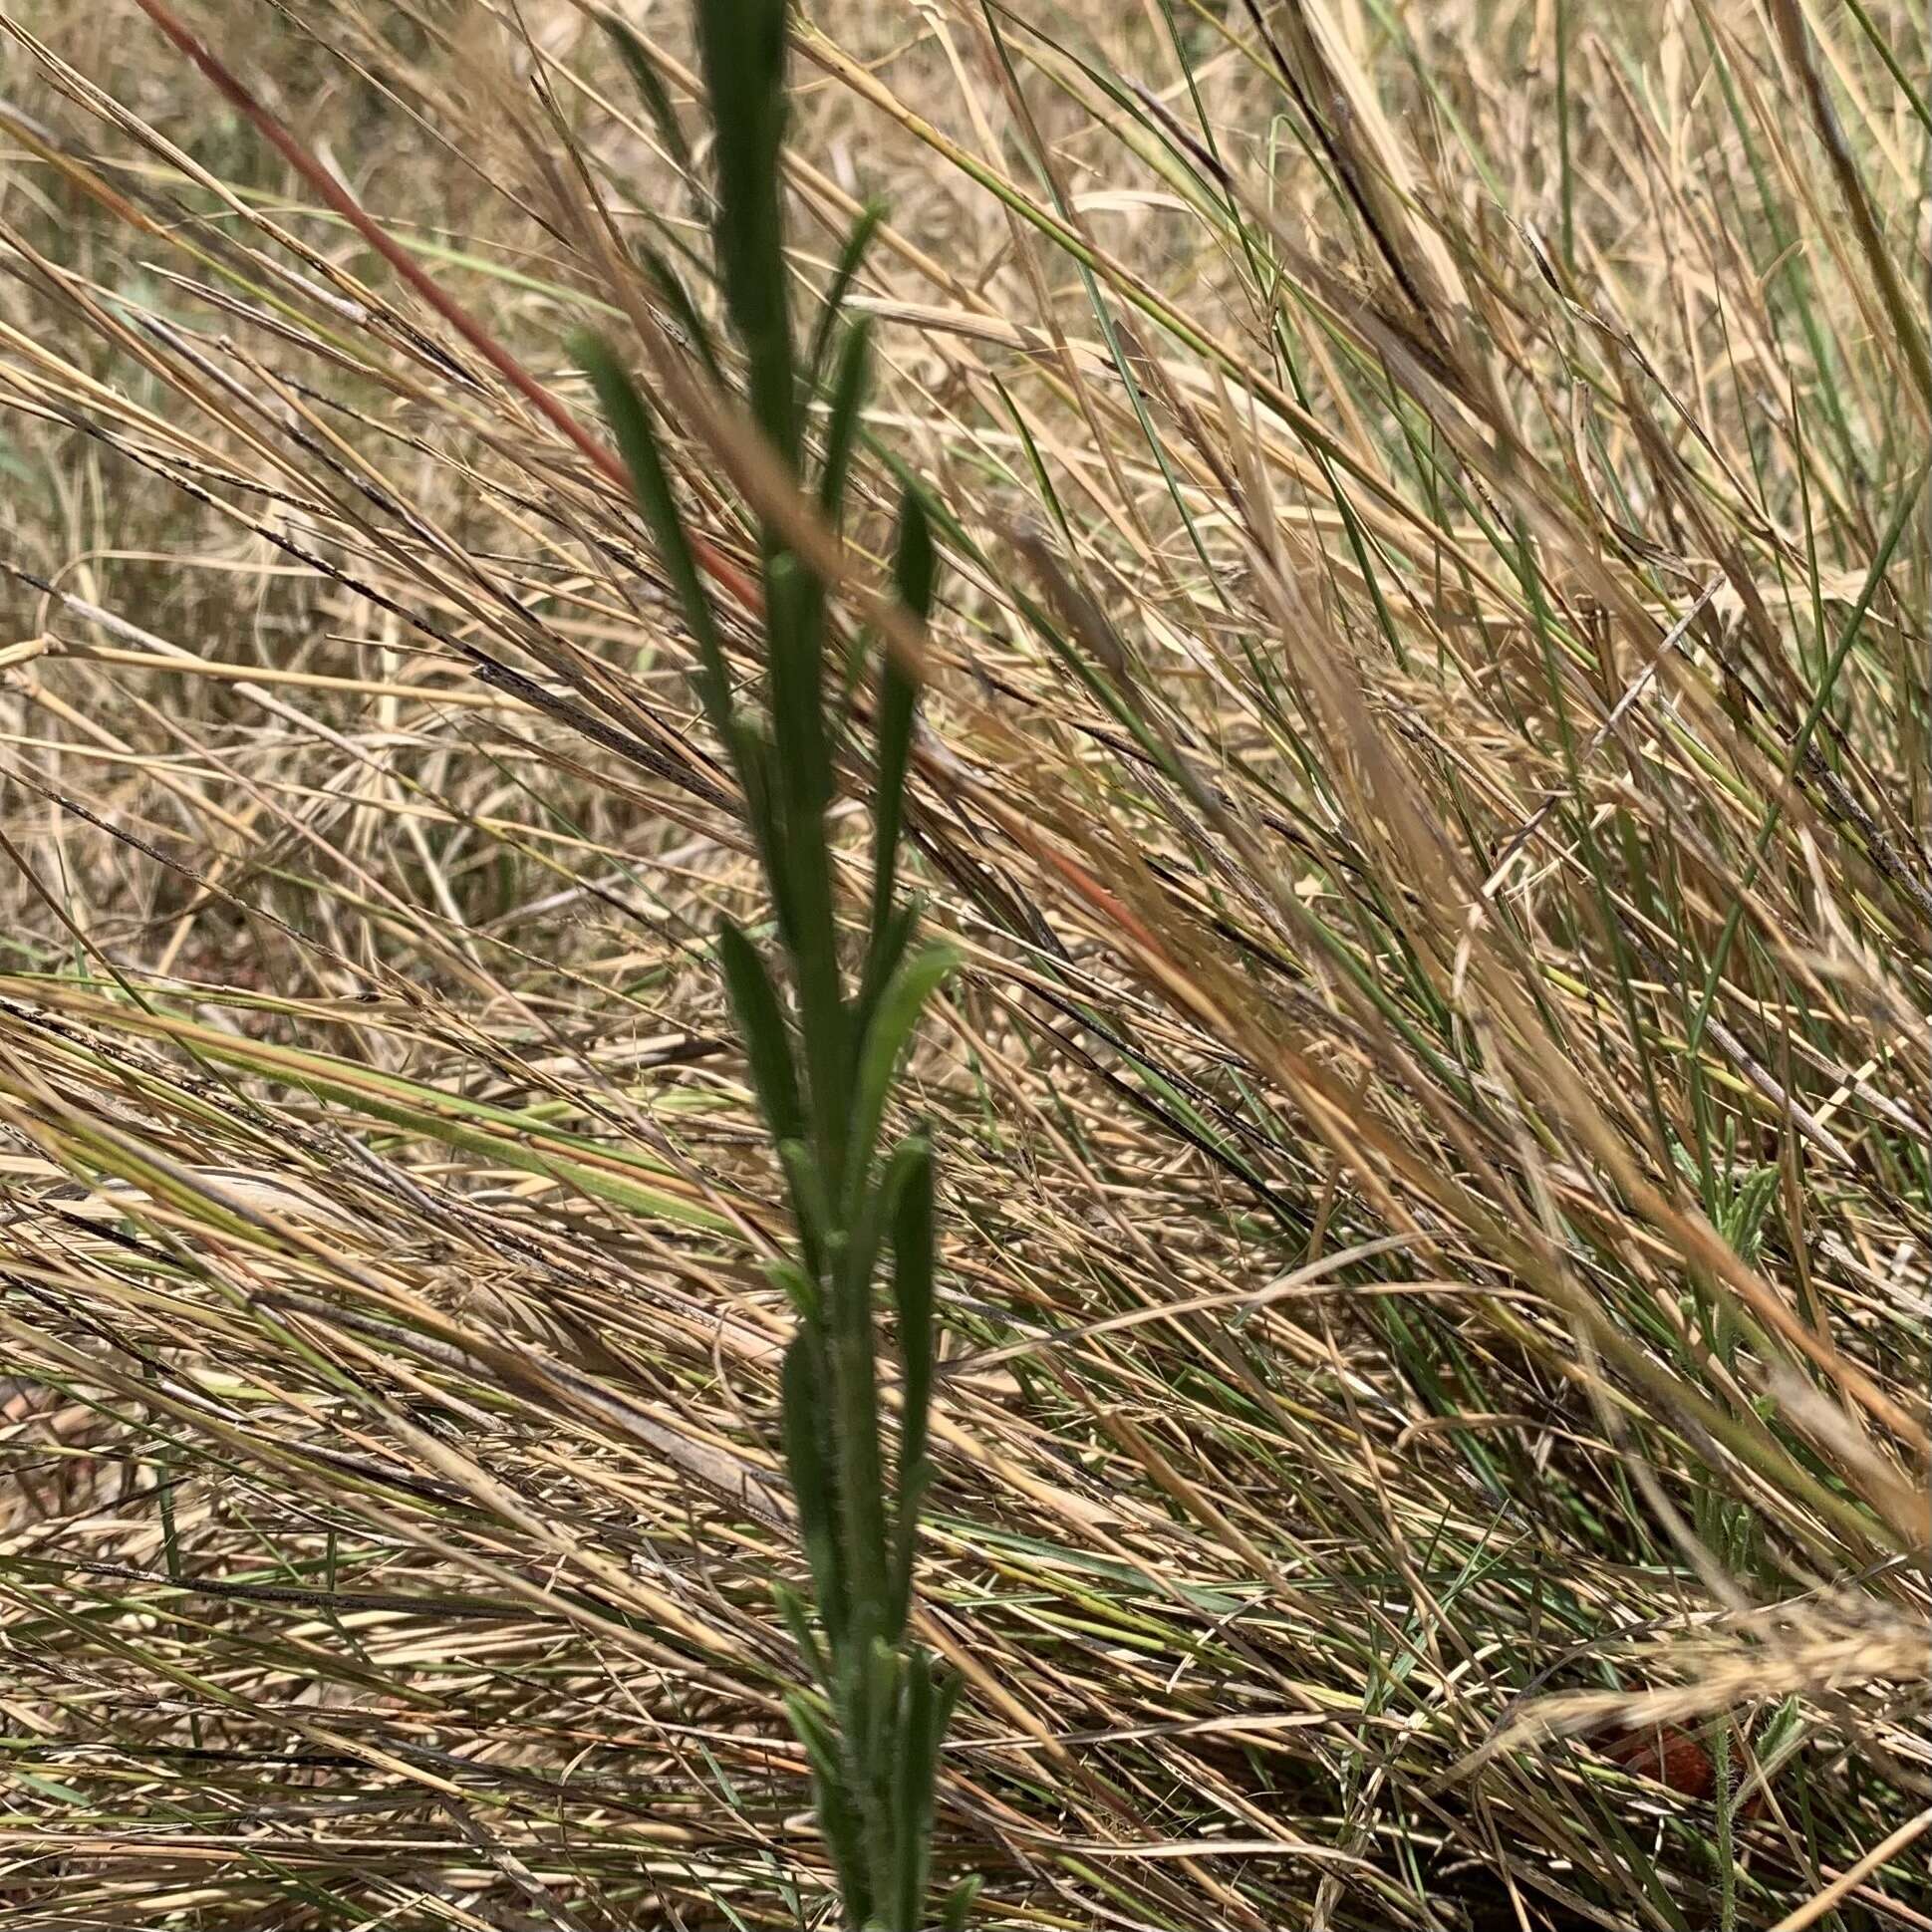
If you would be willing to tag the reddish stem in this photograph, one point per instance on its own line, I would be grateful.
(721, 568)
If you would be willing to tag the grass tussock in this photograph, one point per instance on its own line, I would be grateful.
(1421, 762)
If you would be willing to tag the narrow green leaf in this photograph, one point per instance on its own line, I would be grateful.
(630, 423)
(913, 1794)
(798, 1289)
(909, 1188)
(766, 1039)
(842, 419)
(914, 572)
(915, 563)
(959, 1903)
(684, 311)
(742, 46)
(791, 1607)
(805, 1419)
(837, 1818)
(878, 1760)
(850, 258)
(764, 808)
(886, 1040)
(915, 1483)
(811, 1205)
(794, 609)
(852, 1346)
(650, 89)
(882, 962)
(795, 632)
(929, 1701)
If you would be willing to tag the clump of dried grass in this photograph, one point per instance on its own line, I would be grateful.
(1427, 772)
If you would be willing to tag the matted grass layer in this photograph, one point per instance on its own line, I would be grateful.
(1426, 768)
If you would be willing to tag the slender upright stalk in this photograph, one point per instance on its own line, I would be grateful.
(825, 1033)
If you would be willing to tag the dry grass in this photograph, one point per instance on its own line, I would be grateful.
(1428, 772)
